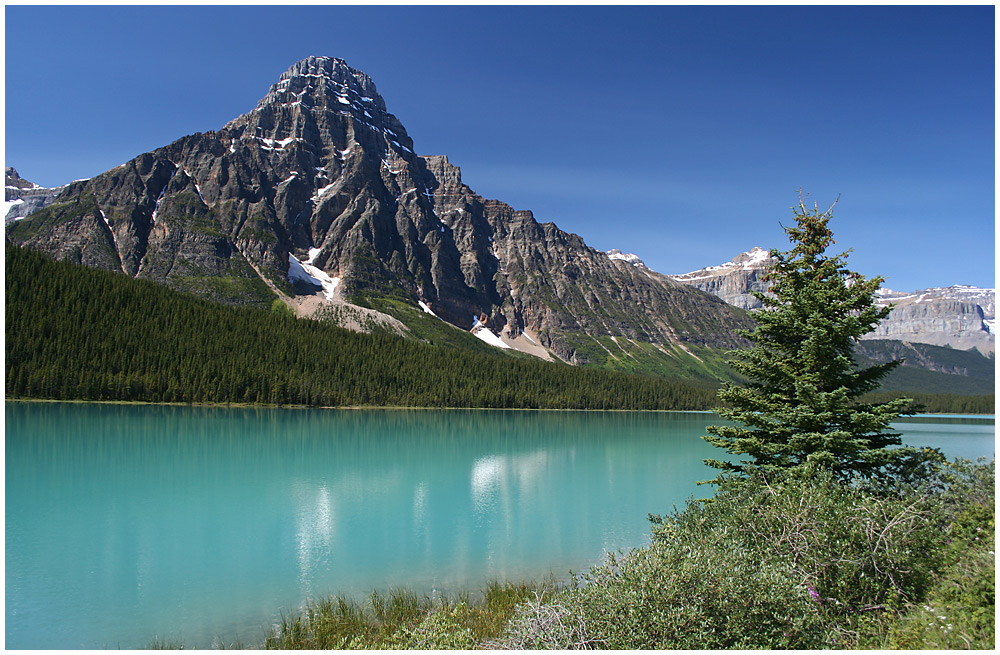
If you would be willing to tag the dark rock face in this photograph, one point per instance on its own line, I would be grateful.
(319, 170)
(533, 276)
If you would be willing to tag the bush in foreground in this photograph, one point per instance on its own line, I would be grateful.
(805, 562)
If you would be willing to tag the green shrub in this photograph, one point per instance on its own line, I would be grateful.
(960, 606)
(802, 561)
(694, 593)
(439, 630)
(281, 309)
(401, 619)
(958, 613)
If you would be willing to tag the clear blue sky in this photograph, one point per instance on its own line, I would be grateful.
(680, 134)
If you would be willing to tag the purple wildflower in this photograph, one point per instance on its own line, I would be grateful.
(813, 593)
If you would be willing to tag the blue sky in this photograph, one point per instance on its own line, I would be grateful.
(681, 134)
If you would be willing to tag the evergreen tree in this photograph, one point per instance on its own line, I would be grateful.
(802, 404)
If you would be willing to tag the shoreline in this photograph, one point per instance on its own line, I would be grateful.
(342, 408)
(409, 408)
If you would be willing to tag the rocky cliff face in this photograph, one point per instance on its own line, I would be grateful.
(733, 281)
(318, 191)
(22, 197)
(959, 316)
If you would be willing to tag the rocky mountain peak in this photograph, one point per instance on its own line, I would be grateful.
(626, 257)
(322, 105)
(756, 257)
(323, 81)
(15, 181)
(316, 195)
(22, 197)
(734, 281)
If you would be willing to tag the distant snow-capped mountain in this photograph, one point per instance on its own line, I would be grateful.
(22, 197)
(626, 257)
(960, 316)
(734, 280)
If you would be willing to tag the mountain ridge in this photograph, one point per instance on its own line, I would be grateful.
(321, 173)
(960, 316)
(22, 197)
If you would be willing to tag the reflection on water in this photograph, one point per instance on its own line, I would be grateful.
(193, 523)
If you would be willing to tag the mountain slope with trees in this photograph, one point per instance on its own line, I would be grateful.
(74, 332)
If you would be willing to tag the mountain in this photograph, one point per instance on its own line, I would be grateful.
(22, 197)
(960, 317)
(931, 369)
(317, 197)
(160, 345)
(734, 280)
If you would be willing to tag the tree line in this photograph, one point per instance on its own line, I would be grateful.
(79, 333)
(74, 333)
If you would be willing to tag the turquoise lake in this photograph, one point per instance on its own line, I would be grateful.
(127, 523)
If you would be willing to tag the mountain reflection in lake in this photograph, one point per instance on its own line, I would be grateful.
(126, 522)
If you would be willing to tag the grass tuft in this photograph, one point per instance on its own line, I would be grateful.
(402, 619)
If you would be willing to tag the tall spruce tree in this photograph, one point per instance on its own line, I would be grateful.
(802, 403)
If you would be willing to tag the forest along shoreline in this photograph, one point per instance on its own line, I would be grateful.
(409, 408)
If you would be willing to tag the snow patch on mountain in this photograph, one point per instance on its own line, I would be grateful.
(7, 206)
(755, 258)
(23, 198)
(483, 333)
(629, 258)
(304, 272)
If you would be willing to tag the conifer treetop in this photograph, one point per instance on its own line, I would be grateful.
(802, 403)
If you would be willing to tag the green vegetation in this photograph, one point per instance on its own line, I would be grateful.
(915, 380)
(971, 363)
(54, 214)
(401, 619)
(697, 365)
(804, 561)
(802, 405)
(281, 309)
(799, 560)
(79, 333)
(426, 328)
(231, 289)
(940, 403)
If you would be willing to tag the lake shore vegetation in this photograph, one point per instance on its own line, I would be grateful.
(76, 333)
(795, 561)
(801, 404)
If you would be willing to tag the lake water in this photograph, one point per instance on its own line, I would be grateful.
(124, 523)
